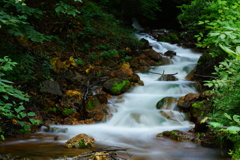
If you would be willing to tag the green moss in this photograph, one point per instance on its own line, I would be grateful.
(173, 132)
(119, 86)
(68, 111)
(158, 64)
(81, 144)
(90, 105)
(173, 37)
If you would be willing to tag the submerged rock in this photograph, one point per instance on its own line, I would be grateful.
(80, 141)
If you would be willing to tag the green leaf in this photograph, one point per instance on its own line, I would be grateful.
(21, 123)
(26, 127)
(227, 116)
(233, 129)
(31, 114)
(236, 118)
(20, 108)
(215, 124)
(23, 115)
(2, 136)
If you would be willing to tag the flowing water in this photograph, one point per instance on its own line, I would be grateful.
(136, 121)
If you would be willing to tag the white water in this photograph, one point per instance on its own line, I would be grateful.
(136, 121)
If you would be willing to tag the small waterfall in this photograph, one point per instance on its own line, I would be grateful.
(136, 120)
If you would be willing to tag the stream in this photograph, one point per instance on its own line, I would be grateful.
(136, 121)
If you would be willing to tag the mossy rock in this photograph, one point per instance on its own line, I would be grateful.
(80, 141)
(178, 135)
(116, 86)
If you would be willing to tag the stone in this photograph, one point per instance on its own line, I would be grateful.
(80, 141)
(178, 135)
(134, 78)
(167, 78)
(116, 86)
(94, 109)
(51, 87)
(170, 53)
(152, 54)
(165, 102)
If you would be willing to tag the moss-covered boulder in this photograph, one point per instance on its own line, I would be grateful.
(80, 141)
(116, 86)
(94, 109)
(178, 135)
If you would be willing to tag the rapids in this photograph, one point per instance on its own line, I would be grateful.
(135, 119)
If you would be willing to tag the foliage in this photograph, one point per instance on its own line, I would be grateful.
(226, 102)
(132, 8)
(16, 22)
(11, 109)
(63, 7)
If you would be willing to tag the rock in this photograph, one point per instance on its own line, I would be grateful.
(178, 135)
(80, 141)
(170, 53)
(134, 78)
(116, 86)
(51, 87)
(165, 103)
(152, 54)
(94, 109)
(117, 74)
(167, 77)
(102, 98)
(185, 102)
(126, 69)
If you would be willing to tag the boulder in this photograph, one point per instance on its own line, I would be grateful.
(116, 86)
(152, 54)
(185, 102)
(51, 87)
(170, 53)
(94, 109)
(165, 102)
(80, 141)
(178, 135)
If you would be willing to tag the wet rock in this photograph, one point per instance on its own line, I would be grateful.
(94, 109)
(152, 54)
(195, 104)
(142, 62)
(170, 53)
(58, 130)
(80, 141)
(116, 86)
(178, 135)
(51, 87)
(165, 103)
(134, 78)
(167, 77)
(185, 102)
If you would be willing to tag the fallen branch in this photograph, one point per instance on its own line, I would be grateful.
(163, 73)
(102, 153)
